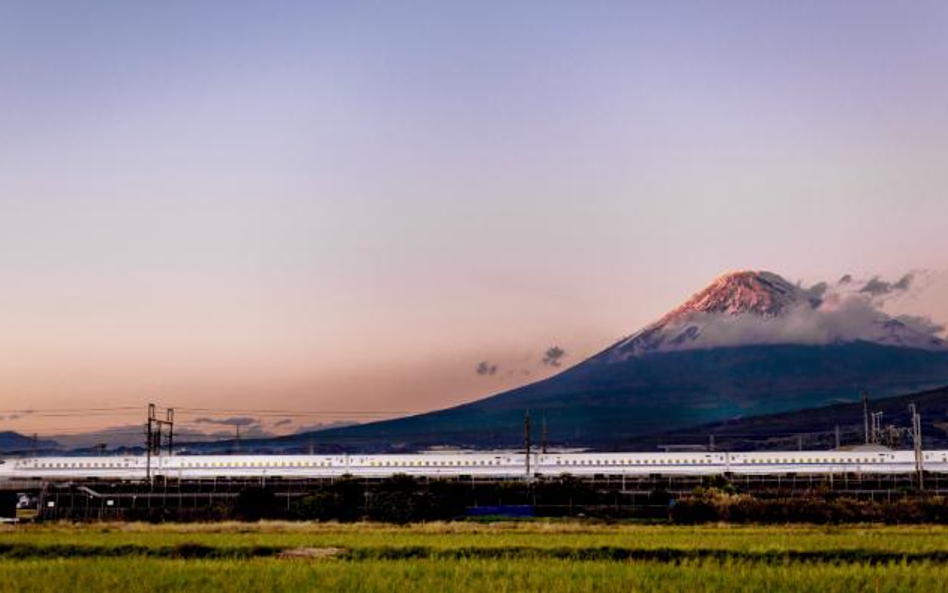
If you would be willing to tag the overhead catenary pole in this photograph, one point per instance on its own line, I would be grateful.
(917, 445)
(169, 420)
(876, 420)
(544, 436)
(149, 440)
(526, 440)
(865, 415)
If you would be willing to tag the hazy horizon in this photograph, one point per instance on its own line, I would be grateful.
(348, 208)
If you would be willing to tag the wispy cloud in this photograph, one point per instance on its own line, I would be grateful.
(233, 421)
(877, 287)
(485, 368)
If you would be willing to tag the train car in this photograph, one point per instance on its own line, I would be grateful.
(486, 464)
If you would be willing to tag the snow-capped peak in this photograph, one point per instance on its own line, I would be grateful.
(757, 307)
(735, 293)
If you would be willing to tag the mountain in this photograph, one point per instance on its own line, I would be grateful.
(751, 343)
(14, 441)
(744, 308)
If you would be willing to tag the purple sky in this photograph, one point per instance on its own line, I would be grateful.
(347, 206)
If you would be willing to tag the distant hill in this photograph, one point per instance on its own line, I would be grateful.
(14, 441)
(816, 427)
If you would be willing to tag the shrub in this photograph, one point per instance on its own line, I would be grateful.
(254, 504)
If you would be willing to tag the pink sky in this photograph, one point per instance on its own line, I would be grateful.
(347, 208)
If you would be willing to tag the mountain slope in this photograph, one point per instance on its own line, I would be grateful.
(751, 343)
(598, 404)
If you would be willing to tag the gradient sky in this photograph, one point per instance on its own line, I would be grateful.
(345, 206)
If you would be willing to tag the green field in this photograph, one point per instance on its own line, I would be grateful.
(533, 556)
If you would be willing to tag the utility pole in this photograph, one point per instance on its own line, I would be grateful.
(837, 437)
(865, 415)
(917, 445)
(526, 439)
(237, 439)
(711, 442)
(799, 442)
(33, 444)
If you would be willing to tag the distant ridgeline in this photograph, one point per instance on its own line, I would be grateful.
(13, 441)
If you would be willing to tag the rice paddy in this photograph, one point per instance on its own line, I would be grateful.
(527, 556)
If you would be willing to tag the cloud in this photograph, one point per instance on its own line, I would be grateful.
(553, 356)
(284, 422)
(233, 421)
(846, 279)
(485, 368)
(921, 324)
(817, 293)
(877, 287)
(324, 426)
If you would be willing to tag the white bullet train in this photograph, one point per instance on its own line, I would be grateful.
(488, 465)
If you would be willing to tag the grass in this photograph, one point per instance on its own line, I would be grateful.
(147, 574)
(531, 556)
